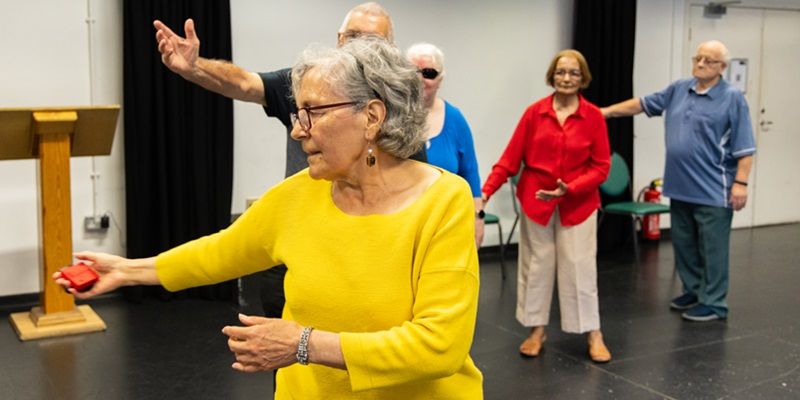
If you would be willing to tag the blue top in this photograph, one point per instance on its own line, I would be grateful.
(453, 150)
(705, 136)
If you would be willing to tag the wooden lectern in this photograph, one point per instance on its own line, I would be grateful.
(53, 135)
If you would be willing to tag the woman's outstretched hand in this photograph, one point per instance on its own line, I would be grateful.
(107, 266)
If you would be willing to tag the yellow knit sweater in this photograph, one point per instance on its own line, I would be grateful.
(401, 289)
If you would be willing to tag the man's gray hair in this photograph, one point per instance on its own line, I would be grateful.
(370, 8)
(367, 68)
(427, 50)
(723, 50)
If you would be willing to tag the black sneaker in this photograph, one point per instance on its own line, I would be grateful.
(700, 313)
(683, 302)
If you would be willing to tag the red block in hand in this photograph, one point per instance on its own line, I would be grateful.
(80, 276)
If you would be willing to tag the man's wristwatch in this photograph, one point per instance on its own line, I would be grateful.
(480, 214)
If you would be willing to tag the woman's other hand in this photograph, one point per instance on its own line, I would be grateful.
(263, 344)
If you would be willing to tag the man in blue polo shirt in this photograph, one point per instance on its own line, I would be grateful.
(710, 147)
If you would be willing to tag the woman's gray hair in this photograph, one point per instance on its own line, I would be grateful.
(367, 68)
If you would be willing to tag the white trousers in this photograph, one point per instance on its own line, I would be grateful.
(568, 253)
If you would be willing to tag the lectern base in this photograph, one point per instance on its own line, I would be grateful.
(87, 321)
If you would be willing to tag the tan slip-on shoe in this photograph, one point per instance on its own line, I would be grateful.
(532, 346)
(598, 352)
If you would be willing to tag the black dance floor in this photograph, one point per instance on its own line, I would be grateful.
(174, 350)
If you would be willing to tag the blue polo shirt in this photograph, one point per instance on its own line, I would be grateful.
(705, 135)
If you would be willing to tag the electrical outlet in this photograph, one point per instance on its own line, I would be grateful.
(95, 223)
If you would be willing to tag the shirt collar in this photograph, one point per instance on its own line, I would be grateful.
(711, 93)
(548, 109)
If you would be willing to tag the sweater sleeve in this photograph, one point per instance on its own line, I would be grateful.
(468, 160)
(247, 246)
(436, 341)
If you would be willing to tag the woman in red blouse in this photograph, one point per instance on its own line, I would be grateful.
(561, 144)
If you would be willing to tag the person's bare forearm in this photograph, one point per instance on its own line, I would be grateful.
(478, 203)
(227, 79)
(139, 271)
(743, 168)
(625, 108)
(326, 349)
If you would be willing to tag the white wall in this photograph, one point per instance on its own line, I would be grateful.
(46, 63)
(497, 54)
(496, 58)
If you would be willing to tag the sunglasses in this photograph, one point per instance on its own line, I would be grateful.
(428, 73)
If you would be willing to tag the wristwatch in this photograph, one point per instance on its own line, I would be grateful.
(480, 214)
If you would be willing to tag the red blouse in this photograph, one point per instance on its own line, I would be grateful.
(577, 153)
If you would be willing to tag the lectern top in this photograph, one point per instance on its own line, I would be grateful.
(93, 132)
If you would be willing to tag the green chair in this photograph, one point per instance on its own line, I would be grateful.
(490, 219)
(616, 184)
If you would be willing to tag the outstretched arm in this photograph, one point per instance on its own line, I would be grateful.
(625, 108)
(114, 272)
(181, 55)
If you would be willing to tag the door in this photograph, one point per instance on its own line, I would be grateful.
(769, 41)
(777, 178)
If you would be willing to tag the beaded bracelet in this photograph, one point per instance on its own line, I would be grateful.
(302, 347)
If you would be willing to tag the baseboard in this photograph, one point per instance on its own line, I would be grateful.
(18, 302)
(26, 301)
(495, 250)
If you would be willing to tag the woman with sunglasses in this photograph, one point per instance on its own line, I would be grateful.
(449, 143)
(382, 270)
(561, 144)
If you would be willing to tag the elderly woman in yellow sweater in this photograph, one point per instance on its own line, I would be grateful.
(382, 281)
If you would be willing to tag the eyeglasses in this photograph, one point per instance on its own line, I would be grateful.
(303, 115)
(350, 34)
(574, 73)
(705, 60)
(428, 73)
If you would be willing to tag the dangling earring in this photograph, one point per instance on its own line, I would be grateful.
(370, 157)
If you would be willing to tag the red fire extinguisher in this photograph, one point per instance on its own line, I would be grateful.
(651, 228)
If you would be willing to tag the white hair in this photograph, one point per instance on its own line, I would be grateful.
(723, 50)
(427, 50)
